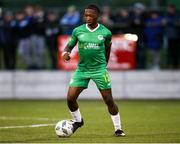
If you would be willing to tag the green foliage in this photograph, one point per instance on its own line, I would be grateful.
(143, 121)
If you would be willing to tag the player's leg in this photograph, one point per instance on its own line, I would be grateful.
(103, 82)
(108, 99)
(113, 110)
(78, 82)
(72, 96)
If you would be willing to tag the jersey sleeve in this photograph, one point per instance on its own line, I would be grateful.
(108, 38)
(73, 40)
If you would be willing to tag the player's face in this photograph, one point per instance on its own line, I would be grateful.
(90, 17)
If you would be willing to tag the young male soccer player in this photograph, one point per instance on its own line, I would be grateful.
(94, 43)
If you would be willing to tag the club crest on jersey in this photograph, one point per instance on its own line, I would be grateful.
(100, 37)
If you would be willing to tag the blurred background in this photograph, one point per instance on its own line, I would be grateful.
(145, 58)
(144, 67)
(29, 30)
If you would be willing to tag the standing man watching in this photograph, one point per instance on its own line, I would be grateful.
(94, 44)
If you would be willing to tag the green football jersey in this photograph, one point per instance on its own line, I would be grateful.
(91, 46)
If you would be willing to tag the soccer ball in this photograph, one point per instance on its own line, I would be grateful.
(64, 128)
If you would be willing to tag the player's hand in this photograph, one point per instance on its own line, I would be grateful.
(66, 56)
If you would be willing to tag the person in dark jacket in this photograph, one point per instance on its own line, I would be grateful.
(1, 36)
(52, 33)
(24, 33)
(172, 33)
(122, 22)
(138, 18)
(9, 41)
(38, 38)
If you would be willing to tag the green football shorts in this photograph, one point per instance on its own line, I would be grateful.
(82, 78)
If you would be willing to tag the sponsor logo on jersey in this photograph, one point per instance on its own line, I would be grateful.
(92, 46)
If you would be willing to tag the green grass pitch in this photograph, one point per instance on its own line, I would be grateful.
(145, 121)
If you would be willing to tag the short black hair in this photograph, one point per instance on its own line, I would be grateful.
(94, 7)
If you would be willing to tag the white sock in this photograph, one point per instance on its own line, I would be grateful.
(116, 121)
(76, 115)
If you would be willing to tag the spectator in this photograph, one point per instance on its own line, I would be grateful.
(106, 17)
(9, 41)
(29, 12)
(122, 22)
(172, 34)
(38, 38)
(52, 32)
(153, 39)
(1, 36)
(24, 33)
(70, 20)
(29, 15)
(138, 18)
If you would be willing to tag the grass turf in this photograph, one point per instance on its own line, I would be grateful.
(143, 121)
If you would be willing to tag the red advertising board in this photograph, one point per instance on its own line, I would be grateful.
(123, 53)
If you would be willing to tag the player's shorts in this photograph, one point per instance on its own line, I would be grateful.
(82, 78)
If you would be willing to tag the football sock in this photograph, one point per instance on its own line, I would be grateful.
(76, 115)
(116, 121)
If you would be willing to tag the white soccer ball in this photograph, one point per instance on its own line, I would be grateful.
(64, 128)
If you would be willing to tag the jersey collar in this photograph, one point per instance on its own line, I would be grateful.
(91, 29)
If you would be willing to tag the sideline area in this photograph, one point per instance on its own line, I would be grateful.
(125, 85)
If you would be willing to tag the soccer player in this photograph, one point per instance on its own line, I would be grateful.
(94, 43)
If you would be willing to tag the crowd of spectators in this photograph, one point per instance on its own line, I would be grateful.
(32, 31)
(158, 34)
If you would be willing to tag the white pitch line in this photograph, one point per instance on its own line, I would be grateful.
(27, 126)
(26, 118)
